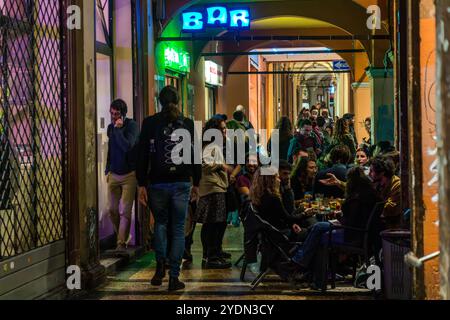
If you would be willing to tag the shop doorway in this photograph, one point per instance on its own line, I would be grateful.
(115, 79)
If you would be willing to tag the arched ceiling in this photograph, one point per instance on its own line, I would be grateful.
(288, 22)
(296, 17)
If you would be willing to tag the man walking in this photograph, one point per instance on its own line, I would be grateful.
(120, 172)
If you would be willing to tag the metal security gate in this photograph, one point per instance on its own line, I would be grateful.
(32, 146)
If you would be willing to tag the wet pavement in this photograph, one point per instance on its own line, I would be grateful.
(133, 282)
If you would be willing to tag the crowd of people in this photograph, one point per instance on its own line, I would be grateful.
(320, 155)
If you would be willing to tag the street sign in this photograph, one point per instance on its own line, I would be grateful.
(341, 65)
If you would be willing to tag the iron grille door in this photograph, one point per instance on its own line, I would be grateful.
(32, 125)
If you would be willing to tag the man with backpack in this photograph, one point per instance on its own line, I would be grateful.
(170, 185)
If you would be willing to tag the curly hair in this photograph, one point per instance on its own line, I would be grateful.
(340, 130)
(263, 184)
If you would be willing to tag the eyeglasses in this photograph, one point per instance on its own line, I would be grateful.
(115, 113)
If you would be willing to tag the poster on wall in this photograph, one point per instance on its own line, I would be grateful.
(213, 74)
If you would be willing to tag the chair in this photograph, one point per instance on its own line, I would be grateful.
(261, 236)
(363, 249)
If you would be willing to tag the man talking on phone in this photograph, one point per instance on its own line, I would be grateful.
(123, 134)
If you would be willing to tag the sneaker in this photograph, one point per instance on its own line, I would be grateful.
(217, 263)
(225, 255)
(187, 256)
(175, 284)
(121, 247)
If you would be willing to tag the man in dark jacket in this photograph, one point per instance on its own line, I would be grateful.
(304, 140)
(170, 184)
(120, 172)
(340, 157)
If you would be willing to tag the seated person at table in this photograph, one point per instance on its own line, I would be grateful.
(303, 217)
(303, 176)
(244, 181)
(266, 198)
(362, 159)
(387, 186)
(356, 209)
(340, 157)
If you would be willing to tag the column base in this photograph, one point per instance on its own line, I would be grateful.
(93, 276)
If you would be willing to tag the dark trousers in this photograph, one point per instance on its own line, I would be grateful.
(212, 236)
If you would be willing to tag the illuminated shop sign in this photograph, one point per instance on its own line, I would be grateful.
(177, 60)
(213, 73)
(216, 16)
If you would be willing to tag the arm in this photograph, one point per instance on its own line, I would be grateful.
(108, 157)
(126, 137)
(392, 206)
(234, 172)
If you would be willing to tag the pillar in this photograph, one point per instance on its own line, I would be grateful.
(382, 104)
(83, 244)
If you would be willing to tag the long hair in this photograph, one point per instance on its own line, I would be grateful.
(340, 130)
(213, 123)
(358, 184)
(262, 184)
(285, 127)
(169, 100)
(300, 171)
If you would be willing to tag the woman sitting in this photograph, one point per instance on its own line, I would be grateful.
(362, 159)
(265, 197)
(302, 178)
(359, 202)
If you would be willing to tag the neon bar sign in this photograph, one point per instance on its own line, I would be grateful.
(216, 16)
(177, 60)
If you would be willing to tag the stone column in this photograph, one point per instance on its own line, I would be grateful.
(82, 227)
(383, 110)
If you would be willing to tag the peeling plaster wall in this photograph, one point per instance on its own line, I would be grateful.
(429, 146)
(443, 123)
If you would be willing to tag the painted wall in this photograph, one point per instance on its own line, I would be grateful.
(362, 102)
(237, 87)
(429, 147)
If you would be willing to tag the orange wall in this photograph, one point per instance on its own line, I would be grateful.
(236, 87)
(362, 102)
(429, 147)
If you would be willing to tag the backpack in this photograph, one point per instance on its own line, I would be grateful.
(161, 147)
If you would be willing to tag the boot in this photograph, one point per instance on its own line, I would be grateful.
(160, 273)
(175, 284)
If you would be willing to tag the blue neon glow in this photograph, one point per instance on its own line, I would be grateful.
(192, 21)
(217, 16)
(240, 18)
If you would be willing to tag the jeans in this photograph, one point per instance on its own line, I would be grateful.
(319, 235)
(169, 202)
(306, 253)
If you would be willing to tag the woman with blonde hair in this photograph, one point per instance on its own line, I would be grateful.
(266, 198)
